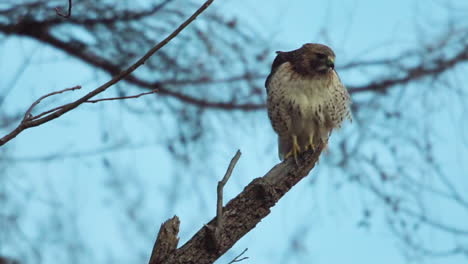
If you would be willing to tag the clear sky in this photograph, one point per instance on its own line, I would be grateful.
(359, 29)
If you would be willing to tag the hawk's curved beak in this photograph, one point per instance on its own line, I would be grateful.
(331, 62)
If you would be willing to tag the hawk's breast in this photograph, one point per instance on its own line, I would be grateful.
(310, 97)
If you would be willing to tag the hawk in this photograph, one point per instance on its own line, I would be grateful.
(305, 98)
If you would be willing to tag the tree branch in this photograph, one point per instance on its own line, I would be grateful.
(121, 97)
(167, 240)
(28, 116)
(68, 14)
(102, 88)
(92, 102)
(5, 260)
(427, 69)
(219, 201)
(238, 257)
(245, 211)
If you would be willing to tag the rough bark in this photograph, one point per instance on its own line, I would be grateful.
(244, 212)
(166, 242)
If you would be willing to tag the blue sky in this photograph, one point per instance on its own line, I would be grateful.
(356, 30)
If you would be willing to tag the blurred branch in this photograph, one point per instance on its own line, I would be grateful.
(402, 210)
(41, 30)
(433, 223)
(418, 247)
(109, 19)
(68, 14)
(25, 124)
(104, 18)
(5, 260)
(432, 68)
(12, 84)
(396, 206)
(245, 211)
(67, 154)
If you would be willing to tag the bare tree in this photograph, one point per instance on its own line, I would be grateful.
(216, 68)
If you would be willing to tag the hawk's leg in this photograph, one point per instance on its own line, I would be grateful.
(311, 142)
(295, 150)
(312, 146)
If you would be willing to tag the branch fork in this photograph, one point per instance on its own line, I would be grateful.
(216, 229)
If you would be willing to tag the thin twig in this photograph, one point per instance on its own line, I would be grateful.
(48, 112)
(28, 116)
(92, 101)
(219, 205)
(68, 107)
(121, 97)
(68, 14)
(238, 259)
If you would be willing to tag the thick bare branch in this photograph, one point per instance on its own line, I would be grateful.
(245, 211)
(167, 240)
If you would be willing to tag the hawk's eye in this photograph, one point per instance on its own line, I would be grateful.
(321, 55)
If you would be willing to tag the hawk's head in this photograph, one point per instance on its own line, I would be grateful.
(317, 58)
(312, 59)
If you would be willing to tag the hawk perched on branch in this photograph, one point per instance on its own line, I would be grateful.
(306, 99)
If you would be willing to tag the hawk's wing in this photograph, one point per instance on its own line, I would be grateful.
(281, 58)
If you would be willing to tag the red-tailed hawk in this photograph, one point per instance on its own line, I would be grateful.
(306, 99)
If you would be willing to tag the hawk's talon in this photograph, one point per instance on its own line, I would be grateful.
(311, 142)
(295, 148)
(312, 147)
